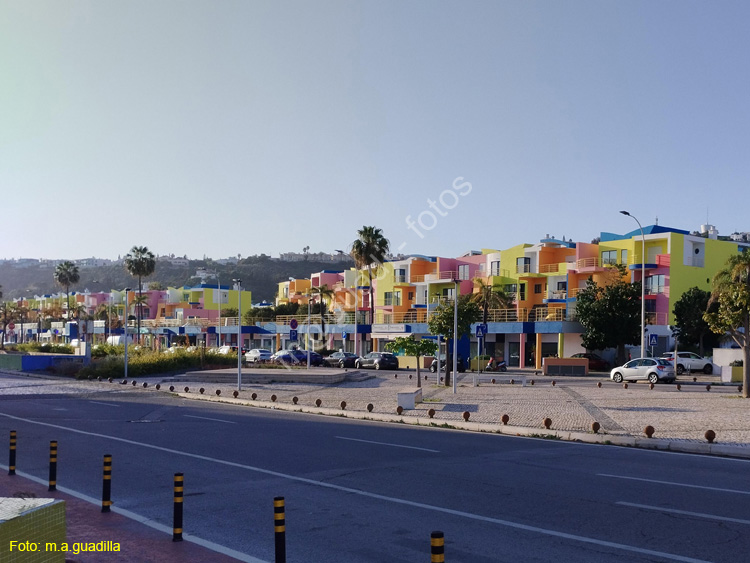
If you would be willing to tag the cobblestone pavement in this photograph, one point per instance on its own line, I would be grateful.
(572, 404)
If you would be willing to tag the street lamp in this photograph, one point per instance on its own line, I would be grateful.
(643, 284)
(125, 318)
(455, 335)
(238, 283)
(309, 342)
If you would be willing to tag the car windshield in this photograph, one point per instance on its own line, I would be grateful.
(663, 362)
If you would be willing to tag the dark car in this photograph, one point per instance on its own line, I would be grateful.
(596, 362)
(434, 366)
(301, 355)
(341, 360)
(285, 357)
(377, 360)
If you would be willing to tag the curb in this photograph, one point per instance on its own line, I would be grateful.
(496, 428)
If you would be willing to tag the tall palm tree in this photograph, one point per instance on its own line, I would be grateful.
(490, 297)
(323, 292)
(141, 263)
(66, 274)
(370, 248)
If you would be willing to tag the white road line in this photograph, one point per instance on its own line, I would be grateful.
(207, 418)
(387, 444)
(685, 512)
(675, 484)
(106, 404)
(394, 500)
(146, 521)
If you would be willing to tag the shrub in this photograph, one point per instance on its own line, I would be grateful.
(45, 348)
(737, 364)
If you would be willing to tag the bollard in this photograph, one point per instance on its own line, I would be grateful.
(279, 529)
(52, 466)
(12, 455)
(107, 483)
(437, 547)
(177, 520)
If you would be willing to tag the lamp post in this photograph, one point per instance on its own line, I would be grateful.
(125, 318)
(238, 283)
(455, 335)
(356, 326)
(309, 343)
(643, 284)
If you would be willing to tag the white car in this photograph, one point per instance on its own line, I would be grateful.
(653, 369)
(258, 355)
(690, 361)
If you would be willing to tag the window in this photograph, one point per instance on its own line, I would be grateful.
(623, 256)
(495, 268)
(537, 288)
(562, 286)
(463, 272)
(411, 296)
(609, 257)
(655, 284)
(523, 265)
(399, 276)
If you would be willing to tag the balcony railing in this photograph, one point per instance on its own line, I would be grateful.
(448, 275)
(587, 263)
(523, 268)
(550, 268)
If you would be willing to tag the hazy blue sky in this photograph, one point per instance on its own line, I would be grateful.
(241, 127)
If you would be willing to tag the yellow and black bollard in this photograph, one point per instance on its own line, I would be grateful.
(52, 466)
(107, 483)
(12, 455)
(437, 547)
(279, 528)
(178, 494)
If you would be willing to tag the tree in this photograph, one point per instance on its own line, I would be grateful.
(731, 293)
(141, 263)
(228, 312)
(370, 248)
(6, 315)
(610, 314)
(689, 322)
(156, 286)
(413, 347)
(489, 297)
(323, 292)
(66, 274)
(441, 322)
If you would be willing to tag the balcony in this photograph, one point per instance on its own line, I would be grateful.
(445, 276)
(586, 263)
(551, 268)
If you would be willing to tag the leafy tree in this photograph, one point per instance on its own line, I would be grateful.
(413, 347)
(689, 322)
(441, 322)
(66, 274)
(287, 309)
(610, 314)
(229, 312)
(731, 293)
(490, 297)
(322, 293)
(156, 286)
(370, 248)
(141, 263)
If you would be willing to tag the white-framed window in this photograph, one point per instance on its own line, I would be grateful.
(463, 272)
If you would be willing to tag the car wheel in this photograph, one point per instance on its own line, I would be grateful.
(653, 378)
(358, 365)
(708, 369)
(680, 369)
(617, 378)
(341, 364)
(377, 365)
(433, 369)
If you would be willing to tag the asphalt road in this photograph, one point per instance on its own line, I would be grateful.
(359, 491)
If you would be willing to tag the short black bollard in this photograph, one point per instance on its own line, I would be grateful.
(177, 520)
(52, 466)
(107, 483)
(279, 529)
(437, 547)
(12, 454)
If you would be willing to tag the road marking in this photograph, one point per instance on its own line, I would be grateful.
(387, 444)
(146, 521)
(674, 484)
(106, 404)
(684, 512)
(207, 418)
(394, 500)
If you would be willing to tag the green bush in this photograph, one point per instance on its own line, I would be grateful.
(737, 363)
(45, 348)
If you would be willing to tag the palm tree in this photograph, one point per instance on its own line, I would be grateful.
(489, 297)
(66, 274)
(323, 292)
(370, 248)
(141, 263)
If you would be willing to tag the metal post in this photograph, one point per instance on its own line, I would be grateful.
(218, 335)
(437, 547)
(455, 337)
(107, 483)
(177, 518)
(309, 336)
(279, 528)
(12, 455)
(239, 333)
(125, 318)
(643, 284)
(356, 325)
(52, 466)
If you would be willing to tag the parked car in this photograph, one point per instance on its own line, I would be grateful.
(596, 362)
(434, 366)
(341, 360)
(690, 361)
(226, 349)
(285, 357)
(377, 360)
(653, 369)
(301, 356)
(257, 355)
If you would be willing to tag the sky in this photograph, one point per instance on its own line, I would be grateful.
(218, 128)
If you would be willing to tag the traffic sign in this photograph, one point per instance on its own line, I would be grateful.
(293, 324)
(653, 339)
(293, 335)
(481, 330)
(343, 335)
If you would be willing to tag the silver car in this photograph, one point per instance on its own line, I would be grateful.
(258, 355)
(653, 369)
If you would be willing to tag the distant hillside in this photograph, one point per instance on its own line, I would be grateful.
(259, 274)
